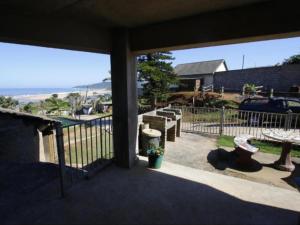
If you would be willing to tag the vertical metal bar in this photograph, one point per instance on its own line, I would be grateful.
(231, 116)
(221, 121)
(250, 122)
(236, 122)
(257, 125)
(91, 134)
(101, 142)
(105, 134)
(96, 133)
(86, 144)
(109, 137)
(193, 119)
(296, 121)
(69, 145)
(75, 140)
(260, 125)
(81, 146)
(280, 121)
(70, 154)
(271, 119)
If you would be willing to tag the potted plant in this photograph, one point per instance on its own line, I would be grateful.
(155, 157)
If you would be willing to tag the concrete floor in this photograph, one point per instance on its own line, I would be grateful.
(201, 152)
(174, 194)
(191, 150)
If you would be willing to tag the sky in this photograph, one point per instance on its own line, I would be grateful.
(23, 66)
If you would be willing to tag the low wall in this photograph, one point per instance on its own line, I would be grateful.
(19, 141)
(280, 78)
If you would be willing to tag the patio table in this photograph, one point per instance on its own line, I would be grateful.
(288, 138)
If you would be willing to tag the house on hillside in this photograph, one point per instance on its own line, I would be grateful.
(198, 74)
(25, 138)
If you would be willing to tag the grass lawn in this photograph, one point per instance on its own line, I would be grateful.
(92, 147)
(264, 146)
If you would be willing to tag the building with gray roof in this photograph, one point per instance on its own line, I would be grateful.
(198, 74)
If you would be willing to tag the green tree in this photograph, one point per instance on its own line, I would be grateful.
(54, 104)
(75, 101)
(30, 107)
(8, 102)
(156, 70)
(295, 59)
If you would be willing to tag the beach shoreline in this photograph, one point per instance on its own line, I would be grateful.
(41, 97)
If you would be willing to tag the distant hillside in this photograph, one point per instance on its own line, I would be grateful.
(102, 85)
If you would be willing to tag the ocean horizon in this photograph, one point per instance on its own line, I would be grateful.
(12, 92)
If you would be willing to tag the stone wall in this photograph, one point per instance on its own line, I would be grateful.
(280, 78)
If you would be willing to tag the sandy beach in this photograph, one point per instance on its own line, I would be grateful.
(41, 97)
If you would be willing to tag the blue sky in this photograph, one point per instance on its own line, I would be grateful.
(24, 66)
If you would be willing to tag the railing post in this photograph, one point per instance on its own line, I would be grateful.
(272, 93)
(193, 121)
(61, 157)
(222, 91)
(288, 120)
(222, 116)
(243, 90)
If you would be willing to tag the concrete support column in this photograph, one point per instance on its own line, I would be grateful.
(124, 96)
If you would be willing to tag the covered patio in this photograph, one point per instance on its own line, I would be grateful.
(174, 194)
(125, 29)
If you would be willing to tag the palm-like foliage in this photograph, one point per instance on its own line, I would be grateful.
(250, 88)
(54, 104)
(8, 102)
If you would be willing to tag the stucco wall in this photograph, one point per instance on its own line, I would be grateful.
(19, 141)
(280, 78)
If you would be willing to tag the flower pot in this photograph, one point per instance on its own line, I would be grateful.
(155, 161)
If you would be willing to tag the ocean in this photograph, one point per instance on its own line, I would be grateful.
(34, 91)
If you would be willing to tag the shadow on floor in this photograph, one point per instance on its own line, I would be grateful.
(144, 196)
(221, 159)
(294, 178)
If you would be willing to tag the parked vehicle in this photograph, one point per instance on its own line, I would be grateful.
(272, 105)
(265, 110)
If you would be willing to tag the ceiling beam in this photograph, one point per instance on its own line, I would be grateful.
(263, 21)
(54, 32)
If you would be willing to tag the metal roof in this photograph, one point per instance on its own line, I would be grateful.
(29, 116)
(204, 67)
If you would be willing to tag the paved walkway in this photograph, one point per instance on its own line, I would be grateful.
(201, 152)
(172, 195)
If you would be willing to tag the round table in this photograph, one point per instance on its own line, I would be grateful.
(288, 138)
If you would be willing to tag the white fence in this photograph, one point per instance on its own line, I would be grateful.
(233, 122)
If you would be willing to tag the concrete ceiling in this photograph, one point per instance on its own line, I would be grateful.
(117, 13)
(152, 25)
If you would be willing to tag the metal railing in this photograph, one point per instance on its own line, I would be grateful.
(232, 122)
(88, 145)
(207, 88)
